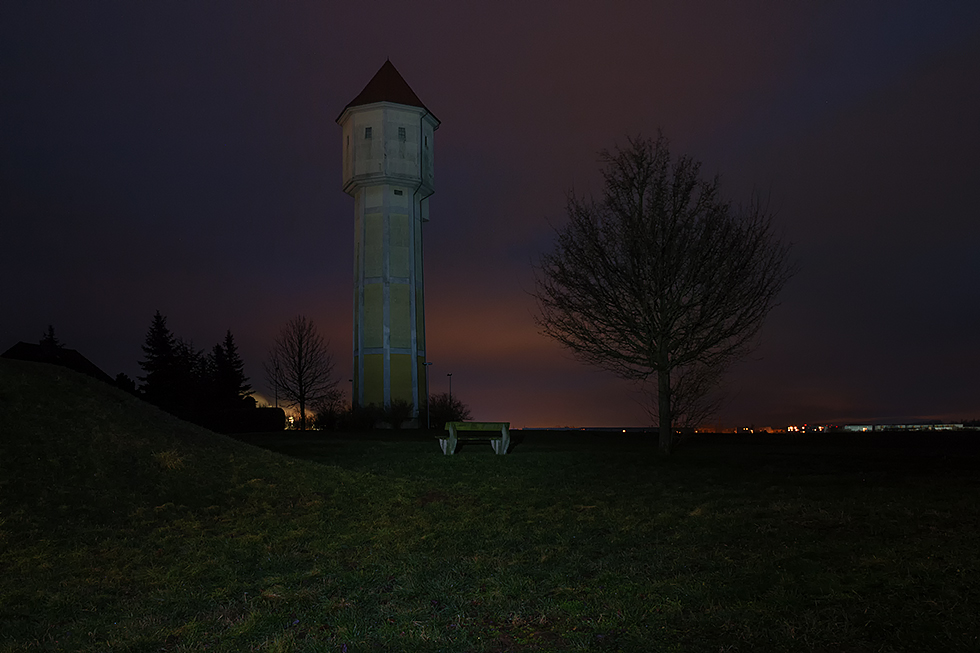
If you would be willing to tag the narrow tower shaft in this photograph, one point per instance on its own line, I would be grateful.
(388, 169)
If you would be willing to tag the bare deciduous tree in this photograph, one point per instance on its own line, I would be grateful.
(661, 281)
(300, 366)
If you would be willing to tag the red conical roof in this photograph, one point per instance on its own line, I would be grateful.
(387, 85)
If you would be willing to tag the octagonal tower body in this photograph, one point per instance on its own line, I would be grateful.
(388, 170)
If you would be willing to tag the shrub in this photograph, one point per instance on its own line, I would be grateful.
(444, 408)
(397, 413)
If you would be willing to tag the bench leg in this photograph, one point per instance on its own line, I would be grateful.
(500, 446)
(449, 444)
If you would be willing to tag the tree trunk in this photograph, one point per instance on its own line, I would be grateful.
(663, 392)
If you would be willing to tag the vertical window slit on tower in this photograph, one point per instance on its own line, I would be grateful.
(401, 134)
(367, 132)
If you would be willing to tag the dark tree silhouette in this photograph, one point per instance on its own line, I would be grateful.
(190, 378)
(330, 411)
(300, 367)
(397, 413)
(661, 280)
(226, 375)
(49, 340)
(159, 385)
(182, 380)
(123, 382)
(176, 376)
(447, 409)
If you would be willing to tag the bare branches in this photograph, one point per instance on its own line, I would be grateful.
(661, 278)
(300, 366)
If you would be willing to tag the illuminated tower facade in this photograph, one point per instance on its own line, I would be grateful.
(388, 170)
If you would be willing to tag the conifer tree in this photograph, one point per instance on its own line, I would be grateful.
(228, 383)
(214, 365)
(50, 340)
(182, 380)
(235, 379)
(123, 382)
(160, 364)
(190, 378)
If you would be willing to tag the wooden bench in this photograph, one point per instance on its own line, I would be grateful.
(498, 433)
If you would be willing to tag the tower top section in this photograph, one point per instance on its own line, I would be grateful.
(387, 85)
(388, 137)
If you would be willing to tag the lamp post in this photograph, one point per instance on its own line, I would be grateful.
(428, 408)
(450, 375)
(275, 379)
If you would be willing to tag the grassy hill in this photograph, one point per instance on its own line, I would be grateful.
(122, 528)
(79, 454)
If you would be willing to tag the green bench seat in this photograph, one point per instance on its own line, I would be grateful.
(498, 433)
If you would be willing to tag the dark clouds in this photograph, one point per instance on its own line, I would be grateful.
(184, 157)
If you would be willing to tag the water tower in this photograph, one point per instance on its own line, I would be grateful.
(388, 170)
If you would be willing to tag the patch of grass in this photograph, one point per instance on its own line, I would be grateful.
(122, 528)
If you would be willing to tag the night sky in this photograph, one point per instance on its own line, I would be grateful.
(184, 157)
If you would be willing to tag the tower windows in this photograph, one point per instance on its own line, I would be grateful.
(398, 192)
(367, 133)
(401, 134)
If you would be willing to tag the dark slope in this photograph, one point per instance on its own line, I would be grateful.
(76, 451)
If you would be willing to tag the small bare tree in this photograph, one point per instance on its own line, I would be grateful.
(661, 281)
(300, 367)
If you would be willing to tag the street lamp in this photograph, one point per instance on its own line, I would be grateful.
(428, 408)
(275, 381)
(450, 375)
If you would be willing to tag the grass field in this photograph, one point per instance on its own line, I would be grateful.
(124, 529)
